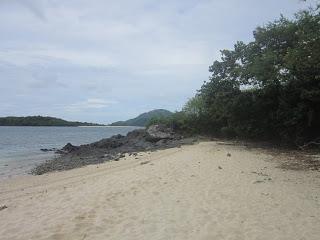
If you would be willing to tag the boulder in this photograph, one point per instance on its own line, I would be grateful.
(159, 132)
(108, 143)
(69, 148)
(136, 134)
(48, 149)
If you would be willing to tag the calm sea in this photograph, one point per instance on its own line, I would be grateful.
(20, 146)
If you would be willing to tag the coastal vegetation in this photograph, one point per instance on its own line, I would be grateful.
(41, 121)
(267, 89)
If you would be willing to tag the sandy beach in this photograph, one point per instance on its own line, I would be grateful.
(203, 191)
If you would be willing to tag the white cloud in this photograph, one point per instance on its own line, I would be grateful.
(91, 103)
(143, 54)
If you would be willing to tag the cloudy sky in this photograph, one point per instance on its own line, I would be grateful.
(108, 60)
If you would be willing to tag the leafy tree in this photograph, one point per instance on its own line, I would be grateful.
(266, 89)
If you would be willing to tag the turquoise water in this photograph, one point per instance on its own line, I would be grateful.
(20, 146)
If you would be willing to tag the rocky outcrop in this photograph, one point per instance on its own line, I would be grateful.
(159, 132)
(113, 148)
(69, 148)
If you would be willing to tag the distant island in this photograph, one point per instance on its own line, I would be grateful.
(139, 121)
(143, 118)
(42, 121)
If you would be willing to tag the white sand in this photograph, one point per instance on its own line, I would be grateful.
(180, 194)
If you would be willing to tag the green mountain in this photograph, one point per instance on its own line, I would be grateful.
(41, 121)
(143, 118)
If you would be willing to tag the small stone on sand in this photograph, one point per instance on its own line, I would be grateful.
(3, 207)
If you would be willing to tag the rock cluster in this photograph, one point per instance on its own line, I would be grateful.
(113, 148)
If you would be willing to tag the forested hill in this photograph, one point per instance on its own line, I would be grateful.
(144, 118)
(41, 121)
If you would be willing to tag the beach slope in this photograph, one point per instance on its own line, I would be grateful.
(209, 190)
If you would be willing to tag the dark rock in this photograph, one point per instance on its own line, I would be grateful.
(143, 163)
(69, 148)
(135, 134)
(48, 149)
(258, 181)
(3, 207)
(108, 143)
(113, 148)
(159, 132)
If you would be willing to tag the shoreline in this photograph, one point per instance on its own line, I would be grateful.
(207, 190)
(114, 148)
(23, 148)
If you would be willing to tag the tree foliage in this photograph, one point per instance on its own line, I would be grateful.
(266, 89)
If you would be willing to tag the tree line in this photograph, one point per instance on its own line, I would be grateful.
(267, 89)
(41, 121)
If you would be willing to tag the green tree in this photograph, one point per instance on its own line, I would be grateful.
(268, 88)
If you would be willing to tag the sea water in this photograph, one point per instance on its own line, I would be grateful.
(20, 146)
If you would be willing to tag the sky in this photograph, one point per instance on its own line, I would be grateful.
(109, 60)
